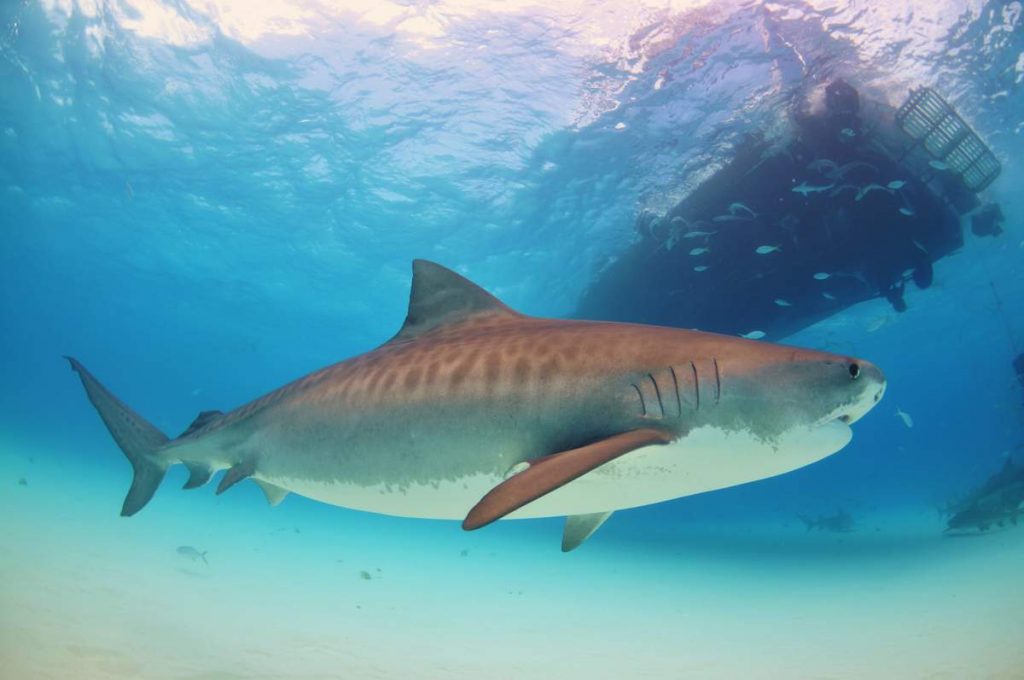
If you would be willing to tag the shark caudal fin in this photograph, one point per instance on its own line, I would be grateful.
(138, 439)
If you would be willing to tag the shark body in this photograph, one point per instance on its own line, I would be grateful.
(476, 412)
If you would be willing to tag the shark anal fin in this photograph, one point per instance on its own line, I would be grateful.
(551, 472)
(198, 475)
(235, 474)
(578, 528)
(274, 493)
(202, 420)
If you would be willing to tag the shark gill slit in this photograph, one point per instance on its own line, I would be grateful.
(718, 381)
(657, 393)
(675, 383)
(696, 384)
(643, 405)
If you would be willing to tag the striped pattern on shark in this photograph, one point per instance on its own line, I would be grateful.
(476, 412)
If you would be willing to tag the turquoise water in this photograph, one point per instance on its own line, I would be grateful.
(205, 200)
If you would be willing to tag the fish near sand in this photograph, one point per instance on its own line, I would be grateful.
(191, 553)
(998, 501)
(840, 523)
(475, 412)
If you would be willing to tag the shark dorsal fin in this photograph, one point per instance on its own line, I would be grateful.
(202, 420)
(440, 296)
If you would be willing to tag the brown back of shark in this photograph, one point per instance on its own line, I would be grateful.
(477, 412)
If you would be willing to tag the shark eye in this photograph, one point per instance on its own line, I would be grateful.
(854, 370)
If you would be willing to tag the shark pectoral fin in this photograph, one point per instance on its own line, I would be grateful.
(235, 474)
(198, 474)
(579, 528)
(274, 493)
(551, 472)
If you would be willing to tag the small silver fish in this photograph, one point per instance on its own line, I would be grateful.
(753, 335)
(806, 189)
(841, 171)
(896, 184)
(907, 211)
(696, 233)
(905, 417)
(737, 207)
(842, 188)
(764, 250)
(191, 553)
(822, 164)
(938, 165)
(877, 323)
(920, 247)
(699, 251)
(847, 133)
(868, 189)
(731, 218)
(822, 276)
(783, 303)
(700, 268)
(828, 296)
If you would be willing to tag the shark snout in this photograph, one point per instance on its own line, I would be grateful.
(871, 387)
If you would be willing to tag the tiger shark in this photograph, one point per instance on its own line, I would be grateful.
(476, 412)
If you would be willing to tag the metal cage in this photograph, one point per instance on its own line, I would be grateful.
(933, 124)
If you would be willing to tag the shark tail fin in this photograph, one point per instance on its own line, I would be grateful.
(808, 522)
(138, 439)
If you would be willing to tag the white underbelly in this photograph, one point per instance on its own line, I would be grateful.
(706, 459)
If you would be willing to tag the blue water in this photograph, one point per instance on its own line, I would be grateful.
(205, 200)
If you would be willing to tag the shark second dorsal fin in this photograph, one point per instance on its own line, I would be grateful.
(202, 420)
(440, 296)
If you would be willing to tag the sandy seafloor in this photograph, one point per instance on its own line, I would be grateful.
(88, 594)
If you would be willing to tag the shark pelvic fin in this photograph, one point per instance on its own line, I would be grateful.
(274, 493)
(235, 474)
(138, 439)
(579, 528)
(546, 474)
(202, 420)
(198, 475)
(440, 296)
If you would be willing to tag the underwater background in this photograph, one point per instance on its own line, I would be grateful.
(205, 199)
